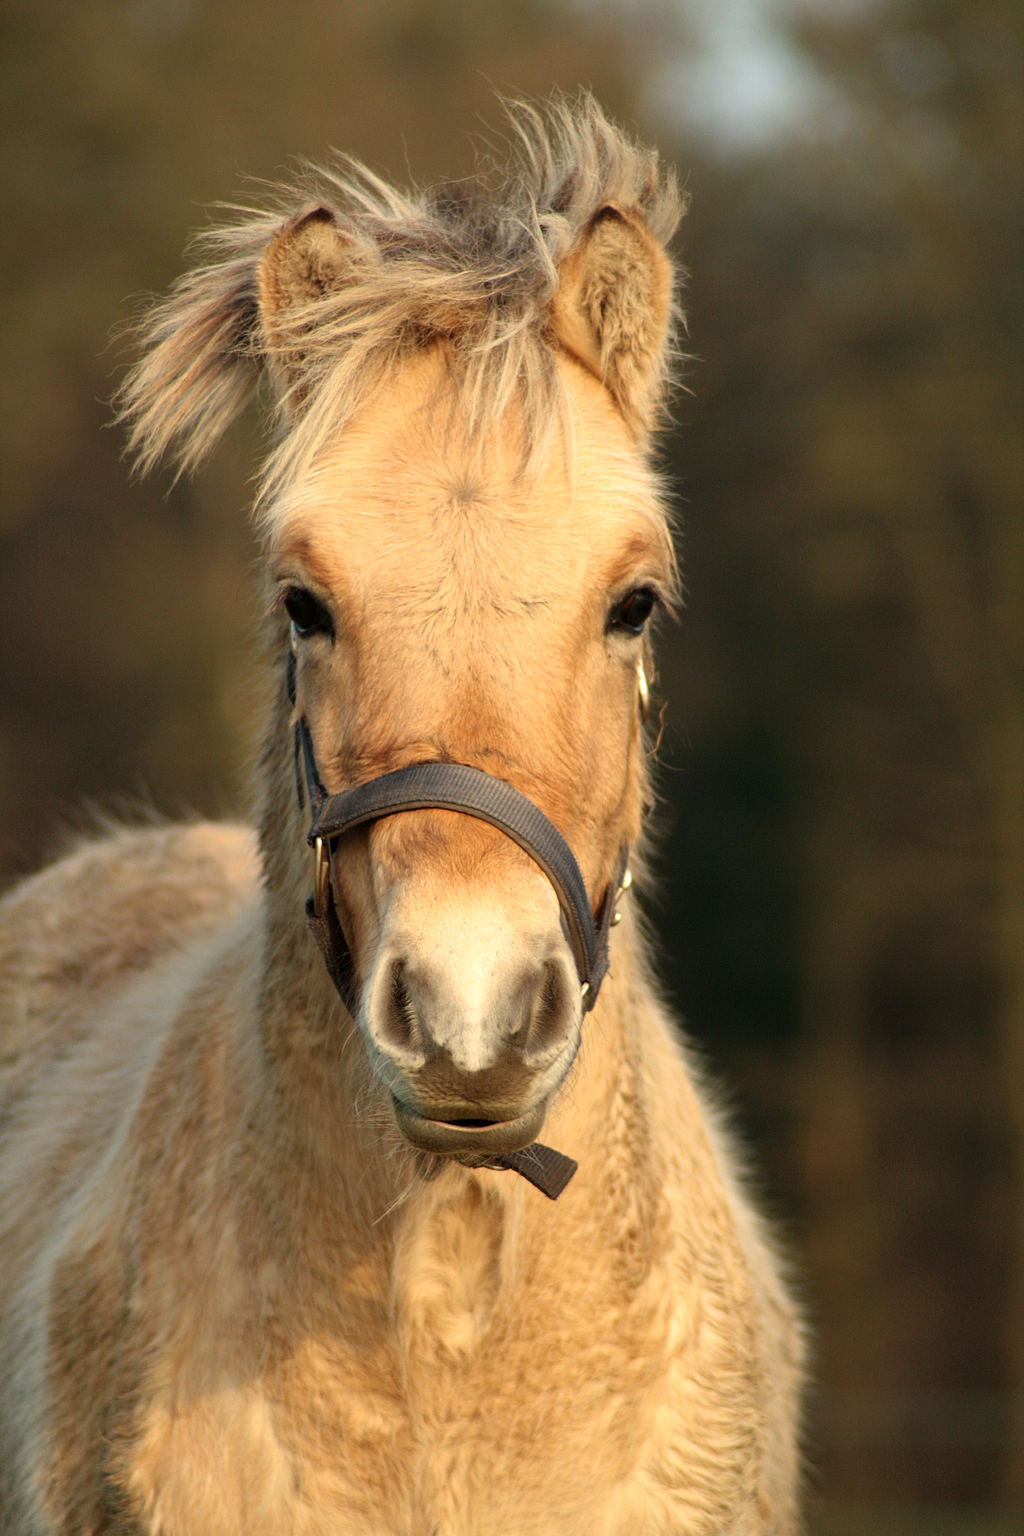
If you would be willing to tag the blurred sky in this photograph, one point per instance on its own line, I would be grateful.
(730, 73)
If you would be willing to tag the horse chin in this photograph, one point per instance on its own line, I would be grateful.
(473, 1142)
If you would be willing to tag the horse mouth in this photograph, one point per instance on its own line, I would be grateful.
(469, 1138)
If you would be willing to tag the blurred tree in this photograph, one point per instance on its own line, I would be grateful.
(853, 472)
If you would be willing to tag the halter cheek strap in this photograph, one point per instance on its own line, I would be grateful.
(456, 787)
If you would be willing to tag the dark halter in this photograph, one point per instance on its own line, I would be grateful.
(456, 787)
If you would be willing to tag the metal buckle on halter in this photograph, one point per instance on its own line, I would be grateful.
(624, 885)
(321, 875)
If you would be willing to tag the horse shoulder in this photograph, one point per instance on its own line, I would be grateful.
(73, 933)
(98, 956)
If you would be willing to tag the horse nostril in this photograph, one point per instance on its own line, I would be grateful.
(473, 1019)
(398, 1023)
(551, 1015)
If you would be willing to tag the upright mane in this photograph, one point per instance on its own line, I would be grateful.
(472, 265)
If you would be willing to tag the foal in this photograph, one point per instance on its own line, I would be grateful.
(273, 1260)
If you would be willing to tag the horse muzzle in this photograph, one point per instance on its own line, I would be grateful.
(472, 1048)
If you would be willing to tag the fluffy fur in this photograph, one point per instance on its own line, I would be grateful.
(479, 266)
(234, 1300)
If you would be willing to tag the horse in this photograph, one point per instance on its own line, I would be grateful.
(281, 1249)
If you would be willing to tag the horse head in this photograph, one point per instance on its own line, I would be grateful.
(465, 543)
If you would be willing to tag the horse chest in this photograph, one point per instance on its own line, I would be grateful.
(497, 1443)
(543, 1411)
(478, 1413)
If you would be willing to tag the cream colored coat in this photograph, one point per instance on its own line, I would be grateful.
(233, 1298)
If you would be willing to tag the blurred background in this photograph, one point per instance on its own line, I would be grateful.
(841, 893)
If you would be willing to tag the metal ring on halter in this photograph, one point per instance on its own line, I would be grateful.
(624, 885)
(321, 875)
(645, 692)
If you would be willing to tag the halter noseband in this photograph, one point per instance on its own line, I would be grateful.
(471, 791)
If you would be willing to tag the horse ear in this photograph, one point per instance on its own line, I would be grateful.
(257, 302)
(304, 260)
(613, 309)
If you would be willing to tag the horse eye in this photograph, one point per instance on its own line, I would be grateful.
(634, 611)
(308, 616)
